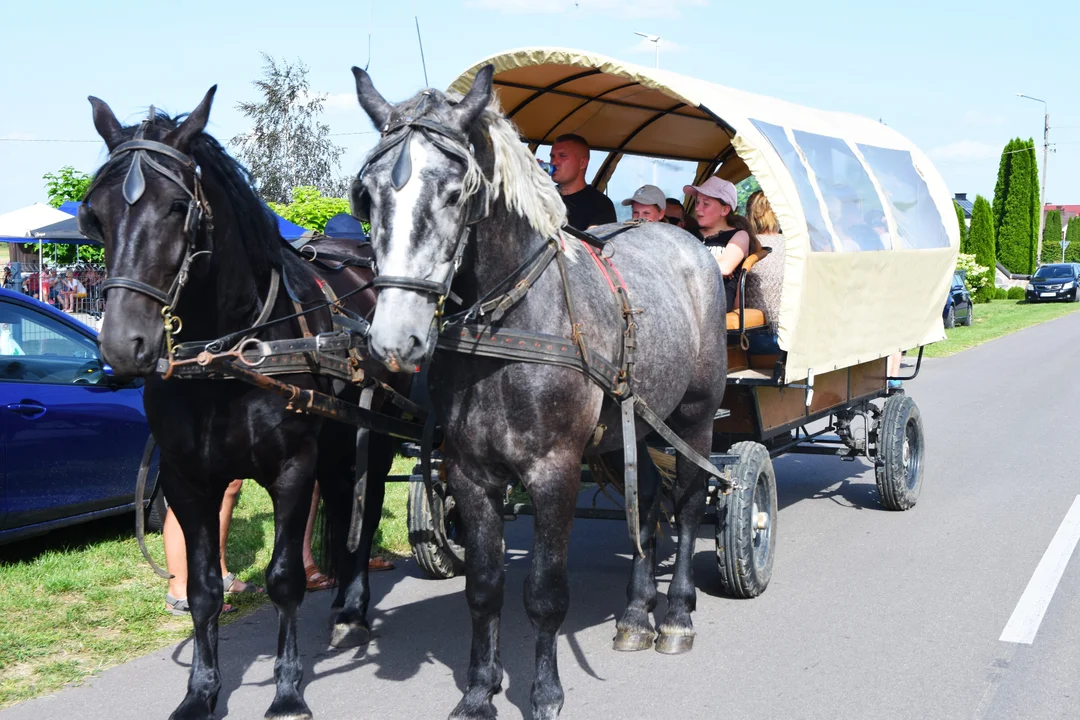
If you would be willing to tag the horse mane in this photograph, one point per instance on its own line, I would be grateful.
(255, 227)
(518, 179)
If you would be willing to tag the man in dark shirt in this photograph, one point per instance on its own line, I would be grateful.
(585, 205)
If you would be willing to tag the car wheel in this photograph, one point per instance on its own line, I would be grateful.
(950, 318)
(970, 317)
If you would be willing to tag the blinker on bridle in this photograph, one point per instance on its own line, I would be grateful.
(399, 135)
(198, 215)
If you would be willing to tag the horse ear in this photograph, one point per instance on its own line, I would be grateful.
(374, 104)
(105, 122)
(477, 99)
(193, 124)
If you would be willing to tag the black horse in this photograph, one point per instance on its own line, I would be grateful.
(458, 206)
(186, 238)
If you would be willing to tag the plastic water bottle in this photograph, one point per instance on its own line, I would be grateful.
(546, 167)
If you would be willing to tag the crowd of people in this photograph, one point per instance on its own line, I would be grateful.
(68, 289)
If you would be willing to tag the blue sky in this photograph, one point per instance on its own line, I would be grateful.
(943, 74)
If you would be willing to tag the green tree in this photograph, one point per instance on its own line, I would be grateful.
(1036, 207)
(288, 146)
(1051, 248)
(309, 209)
(66, 184)
(1072, 234)
(982, 244)
(1004, 172)
(963, 228)
(1015, 234)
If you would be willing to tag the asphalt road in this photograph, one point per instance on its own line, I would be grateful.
(870, 614)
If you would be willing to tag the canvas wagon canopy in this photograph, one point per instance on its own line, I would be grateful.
(868, 224)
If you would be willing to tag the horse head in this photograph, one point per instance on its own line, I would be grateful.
(421, 189)
(146, 206)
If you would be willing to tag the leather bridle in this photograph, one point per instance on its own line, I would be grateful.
(198, 219)
(454, 143)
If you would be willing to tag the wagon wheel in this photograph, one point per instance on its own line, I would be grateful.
(438, 561)
(900, 448)
(746, 523)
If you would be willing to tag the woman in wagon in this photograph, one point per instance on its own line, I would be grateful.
(728, 236)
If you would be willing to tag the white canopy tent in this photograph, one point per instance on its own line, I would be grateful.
(868, 225)
(15, 226)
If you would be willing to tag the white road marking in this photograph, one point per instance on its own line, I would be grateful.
(1029, 611)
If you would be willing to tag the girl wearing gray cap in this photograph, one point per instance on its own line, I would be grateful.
(728, 236)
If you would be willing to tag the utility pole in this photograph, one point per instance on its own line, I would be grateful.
(655, 40)
(1042, 185)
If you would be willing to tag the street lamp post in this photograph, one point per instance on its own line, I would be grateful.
(655, 40)
(1042, 186)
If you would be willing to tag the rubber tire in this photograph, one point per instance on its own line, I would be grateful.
(743, 573)
(439, 562)
(899, 414)
(967, 321)
(950, 319)
(156, 509)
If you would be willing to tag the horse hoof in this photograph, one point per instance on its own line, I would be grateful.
(633, 641)
(349, 635)
(289, 709)
(678, 644)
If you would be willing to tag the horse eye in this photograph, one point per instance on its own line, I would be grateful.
(178, 206)
(453, 198)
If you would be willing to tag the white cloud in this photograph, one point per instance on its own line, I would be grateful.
(341, 101)
(624, 8)
(666, 47)
(981, 119)
(965, 151)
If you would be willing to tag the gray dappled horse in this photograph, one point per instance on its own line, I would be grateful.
(453, 195)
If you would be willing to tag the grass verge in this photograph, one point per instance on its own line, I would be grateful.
(996, 319)
(82, 599)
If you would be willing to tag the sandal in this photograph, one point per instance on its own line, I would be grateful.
(179, 606)
(317, 581)
(377, 563)
(229, 582)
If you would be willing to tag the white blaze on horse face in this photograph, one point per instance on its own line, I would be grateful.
(400, 328)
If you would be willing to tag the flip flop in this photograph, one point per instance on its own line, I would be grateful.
(249, 588)
(377, 563)
(317, 581)
(179, 606)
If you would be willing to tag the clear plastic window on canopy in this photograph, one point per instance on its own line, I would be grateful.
(917, 219)
(815, 223)
(853, 204)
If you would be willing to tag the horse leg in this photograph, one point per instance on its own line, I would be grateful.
(677, 630)
(554, 490)
(351, 627)
(634, 630)
(198, 515)
(291, 493)
(481, 511)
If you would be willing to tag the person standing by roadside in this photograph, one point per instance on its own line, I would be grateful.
(176, 602)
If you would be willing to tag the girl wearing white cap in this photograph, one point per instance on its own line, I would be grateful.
(728, 236)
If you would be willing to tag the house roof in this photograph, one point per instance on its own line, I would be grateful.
(966, 205)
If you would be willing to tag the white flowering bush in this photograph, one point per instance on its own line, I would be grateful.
(976, 276)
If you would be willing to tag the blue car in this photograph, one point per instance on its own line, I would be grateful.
(959, 307)
(73, 436)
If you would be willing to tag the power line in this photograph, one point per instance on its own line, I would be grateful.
(45, 140)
